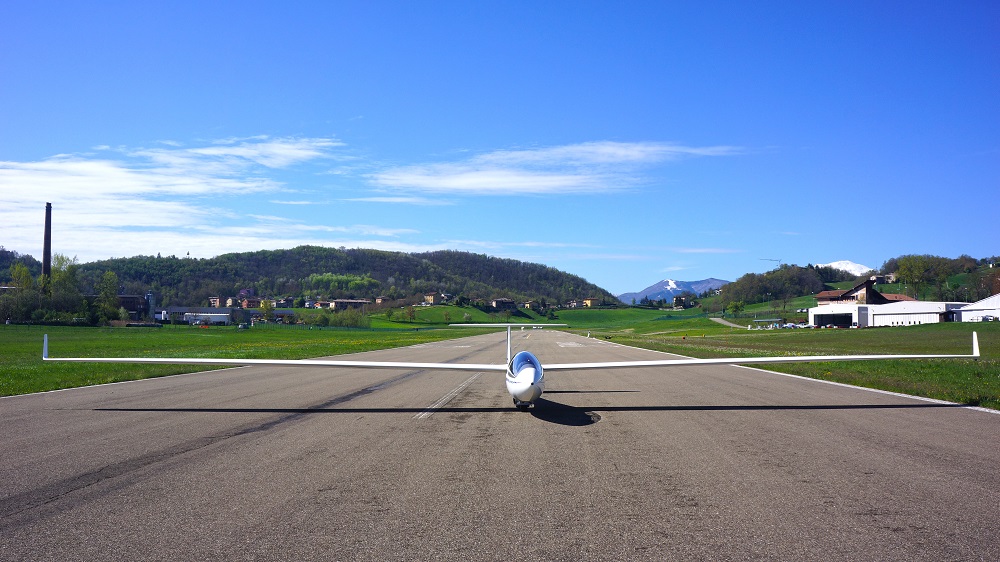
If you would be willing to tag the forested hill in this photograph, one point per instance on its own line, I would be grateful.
(331, 273)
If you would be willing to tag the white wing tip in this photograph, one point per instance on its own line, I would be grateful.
(45, 347)
(975, 345)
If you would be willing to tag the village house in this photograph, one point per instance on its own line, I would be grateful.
(502, 304)
(862, 293)
(344, 304)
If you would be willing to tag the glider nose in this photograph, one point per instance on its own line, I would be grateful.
(524, 378)
(524, 391)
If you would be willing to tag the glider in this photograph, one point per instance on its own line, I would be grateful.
(525, 373)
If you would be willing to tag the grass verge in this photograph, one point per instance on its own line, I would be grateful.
(22, 370)
(963, 381)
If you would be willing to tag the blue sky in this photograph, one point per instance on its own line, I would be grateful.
(622, 142)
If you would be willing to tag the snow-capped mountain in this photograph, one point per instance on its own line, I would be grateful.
(848, 266)
(667, 288)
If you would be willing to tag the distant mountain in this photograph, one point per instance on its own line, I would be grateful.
(667, 288)
(848, 266)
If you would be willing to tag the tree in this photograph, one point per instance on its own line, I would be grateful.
(735, 307)
(389, 312)
(21, 277)
(107, 297)
(411, 313)
(65, 285)
(267, 309)
(920, 270)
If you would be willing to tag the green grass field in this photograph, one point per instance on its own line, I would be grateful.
(637, 321)
(22, 370)
(955, 380)
(442, 315)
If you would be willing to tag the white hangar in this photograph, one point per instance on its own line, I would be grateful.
(980, 310)
(904, 313)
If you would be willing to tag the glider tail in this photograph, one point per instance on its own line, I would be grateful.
(508, 345)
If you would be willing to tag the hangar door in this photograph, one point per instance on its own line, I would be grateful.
(839, 320)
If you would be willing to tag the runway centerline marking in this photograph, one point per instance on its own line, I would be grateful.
(446, 398)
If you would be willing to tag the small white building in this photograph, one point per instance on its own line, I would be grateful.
(206, 318)
(980, 310)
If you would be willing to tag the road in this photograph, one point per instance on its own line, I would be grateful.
(650, 464)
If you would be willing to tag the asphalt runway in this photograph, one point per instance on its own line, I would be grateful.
(721, 463)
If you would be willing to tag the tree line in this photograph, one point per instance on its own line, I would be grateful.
(781, 284)
(927, 275)
(317, 272)
(58, 298)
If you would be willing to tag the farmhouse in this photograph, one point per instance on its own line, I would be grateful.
(504, 304)
(344, 304)
(862, 293)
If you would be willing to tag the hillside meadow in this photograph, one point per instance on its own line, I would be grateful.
(686, 333)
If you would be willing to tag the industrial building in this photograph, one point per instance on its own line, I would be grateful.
(980, 311)
(863, 306)
(905, 313)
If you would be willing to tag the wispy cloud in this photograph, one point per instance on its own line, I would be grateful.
(593, 167)
(230, 195)
(363, 229)
(402, 200)
(236, 155)
(496, 245)
(609, 256)
(283, 202)
(97, 198)
(705, 250)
